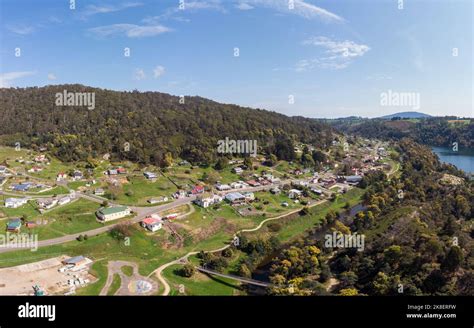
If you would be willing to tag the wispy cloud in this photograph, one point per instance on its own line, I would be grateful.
(139, 74)
(297, 7)
(7, 78)
(129, 30)
(338, 54)
(91, 10)
(243, 5)
(379, 77)
(197, 5)
(338, 48)
(158, 71)
(21, 29)
(51, 77)
(186, 7)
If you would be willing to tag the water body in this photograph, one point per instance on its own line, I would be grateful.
(463, 159)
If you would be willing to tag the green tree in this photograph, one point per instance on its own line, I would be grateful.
(187, 270)
(453, 259)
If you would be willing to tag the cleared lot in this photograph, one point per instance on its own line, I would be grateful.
(20, 280)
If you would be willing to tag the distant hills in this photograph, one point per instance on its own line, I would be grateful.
(433, 131)
(145, 127)
(406, 115)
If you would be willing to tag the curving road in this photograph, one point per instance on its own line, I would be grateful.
(184, 259)
(141, 212)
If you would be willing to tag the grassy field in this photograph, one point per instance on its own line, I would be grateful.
(127, 270)
(147, 251)
(274, 206)
(296, 227)
(68, 219)
(115, 285)
(8, 155)
(139, 190)
(98, 270)
(29, 209)
(198, 284)
(50, 171)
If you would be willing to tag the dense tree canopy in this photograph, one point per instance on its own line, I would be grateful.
(148, 127)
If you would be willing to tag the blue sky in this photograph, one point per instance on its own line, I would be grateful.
(319, 58)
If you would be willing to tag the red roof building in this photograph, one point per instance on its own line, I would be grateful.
(197, 190)
(253, 183)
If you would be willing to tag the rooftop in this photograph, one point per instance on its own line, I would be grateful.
(112, 210)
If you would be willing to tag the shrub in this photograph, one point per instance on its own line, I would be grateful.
(227, 252)
(121, 231)
(187, 270)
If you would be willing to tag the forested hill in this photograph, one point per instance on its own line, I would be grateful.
(154, 124)
(437, 131)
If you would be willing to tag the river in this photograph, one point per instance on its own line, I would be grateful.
(463, 159)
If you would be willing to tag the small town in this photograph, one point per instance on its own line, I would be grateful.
(61, 203)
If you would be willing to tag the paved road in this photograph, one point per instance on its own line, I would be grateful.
(184, 259)
(115, 267)
(141, 212)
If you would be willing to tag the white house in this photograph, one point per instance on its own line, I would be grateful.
(249, 196)
(207, 200)
(47, 203)
(222, 187)
(99, 192)
(317, 191)
(157, 200)
(150, 175)
(64, 200)
(275, 190)
(112, 213)
(15, 202)
(152, 224)
(236, 185)
(61, 177)
(77, 175)
(237, 170)
(295, 193)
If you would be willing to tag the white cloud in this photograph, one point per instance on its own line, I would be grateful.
(158, 71)
(7, 78)
(105, 9)
(243, 6)
(300, 8)
(21, 29)
(338, 48)
(188, 7)
(51, 77)
(198, 5)
(139, 74)
(379, 77)
(338, 54)
(129, 30)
